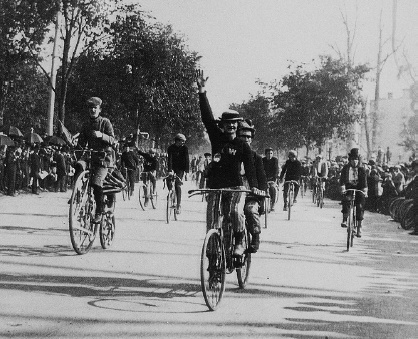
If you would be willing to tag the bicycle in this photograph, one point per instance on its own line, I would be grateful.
(268, 203)
(126, 191)
(217, 257)
(352, 221)
(319, 192)
(303, 186)
(82, 211)
(290, 195)
(171, 207)
(146, 191)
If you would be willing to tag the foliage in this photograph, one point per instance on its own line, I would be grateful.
(409, 133)
(145, 75)
(309, 106)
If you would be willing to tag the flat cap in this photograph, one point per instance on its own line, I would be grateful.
(94, 101)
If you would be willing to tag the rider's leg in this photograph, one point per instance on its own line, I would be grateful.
(237, 218)
(272, 192)
(99, 174)
(285, 191)
(178, 189)
(345, 209)
(296, 193)
(252, 217)
(360, 202)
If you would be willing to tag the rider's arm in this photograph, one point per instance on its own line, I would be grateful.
(282, 173)
(108, 135)
(249, 167)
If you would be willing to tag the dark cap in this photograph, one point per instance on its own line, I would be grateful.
(230, 115)
(94, 101)
(207, 154)
(245, 126)
(268, 149)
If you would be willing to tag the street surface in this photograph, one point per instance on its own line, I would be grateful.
(303, 282)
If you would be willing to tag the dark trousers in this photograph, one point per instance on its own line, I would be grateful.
(34, 184)
(11, 179)
(359, 203)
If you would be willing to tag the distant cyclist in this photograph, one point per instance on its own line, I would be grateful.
(130, 161)
(178, 164)
(271, 167)
(150, 166)
(353, 176)
(320, 170)
(291, 170)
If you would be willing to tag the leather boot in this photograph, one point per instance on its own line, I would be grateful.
(344, 223)
(239, 247)
(255, 243)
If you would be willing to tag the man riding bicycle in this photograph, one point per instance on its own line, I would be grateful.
(271, 168)
(229, 153)
(178, 164)
(353, 176)
(291, 170)
(253, 205)
(129, 161)
(150, 168)
(319, 170)
(97, 134)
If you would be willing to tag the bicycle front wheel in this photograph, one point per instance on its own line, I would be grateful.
(153, 197)
(212, 269)
(350, 230)
(107, 230)
(141, 196)
(321, 198)
(82, 229)
(290, 203)
(169, 208)
(243, 272)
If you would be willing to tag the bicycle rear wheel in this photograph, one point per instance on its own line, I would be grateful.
(243, 271)
(107, 230)
(82, 207)
(212, 269)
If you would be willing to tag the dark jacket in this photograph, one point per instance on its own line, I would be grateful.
(260, 171)
(362, 178)
(292, 170)
(61, 164)
(129, 160)
(102, 144)
(233, 153)
(150, 163)
(271, 167)
(178, 158)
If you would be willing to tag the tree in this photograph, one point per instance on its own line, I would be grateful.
(312, 105)
(145, 75)
(23, 27)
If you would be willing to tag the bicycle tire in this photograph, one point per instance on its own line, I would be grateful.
(267, 207)
(141, 196)
(212, 269)
(128, 190)
(175, 214)
(408, 219)
(169, 209)
(314, 195)
(290, 203)
(124, 194)
(243, 272)
(354, 228)
(107, 230)
(321, 198)
(82, 230)
(302, 189)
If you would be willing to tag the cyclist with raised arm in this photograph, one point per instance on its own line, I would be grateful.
(229, 153)
(353, 176)
(271, 168)
(253, 205)
(291, 170)
(150, 166)
(97, 134)
(178, 164)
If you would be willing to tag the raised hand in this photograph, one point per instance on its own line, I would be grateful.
(200, 79)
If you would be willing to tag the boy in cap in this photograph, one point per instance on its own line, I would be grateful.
(291, 170)
(353, 176)
(271, 168)
(97, 133)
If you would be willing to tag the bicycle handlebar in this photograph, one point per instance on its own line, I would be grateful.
(291, 181)
(354, 190)
(224, 190)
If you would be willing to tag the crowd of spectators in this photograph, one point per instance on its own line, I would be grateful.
(47, 168)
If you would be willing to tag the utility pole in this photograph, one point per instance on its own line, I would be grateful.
(51, 103)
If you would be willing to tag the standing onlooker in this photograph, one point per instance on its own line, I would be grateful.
(35, 168)
(60, 184)
(398, 178)
(10, 170)
(2, 164)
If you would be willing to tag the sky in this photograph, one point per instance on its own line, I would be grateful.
(241, 41)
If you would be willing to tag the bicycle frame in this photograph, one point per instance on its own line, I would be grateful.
(352, 217)
(290, 195)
